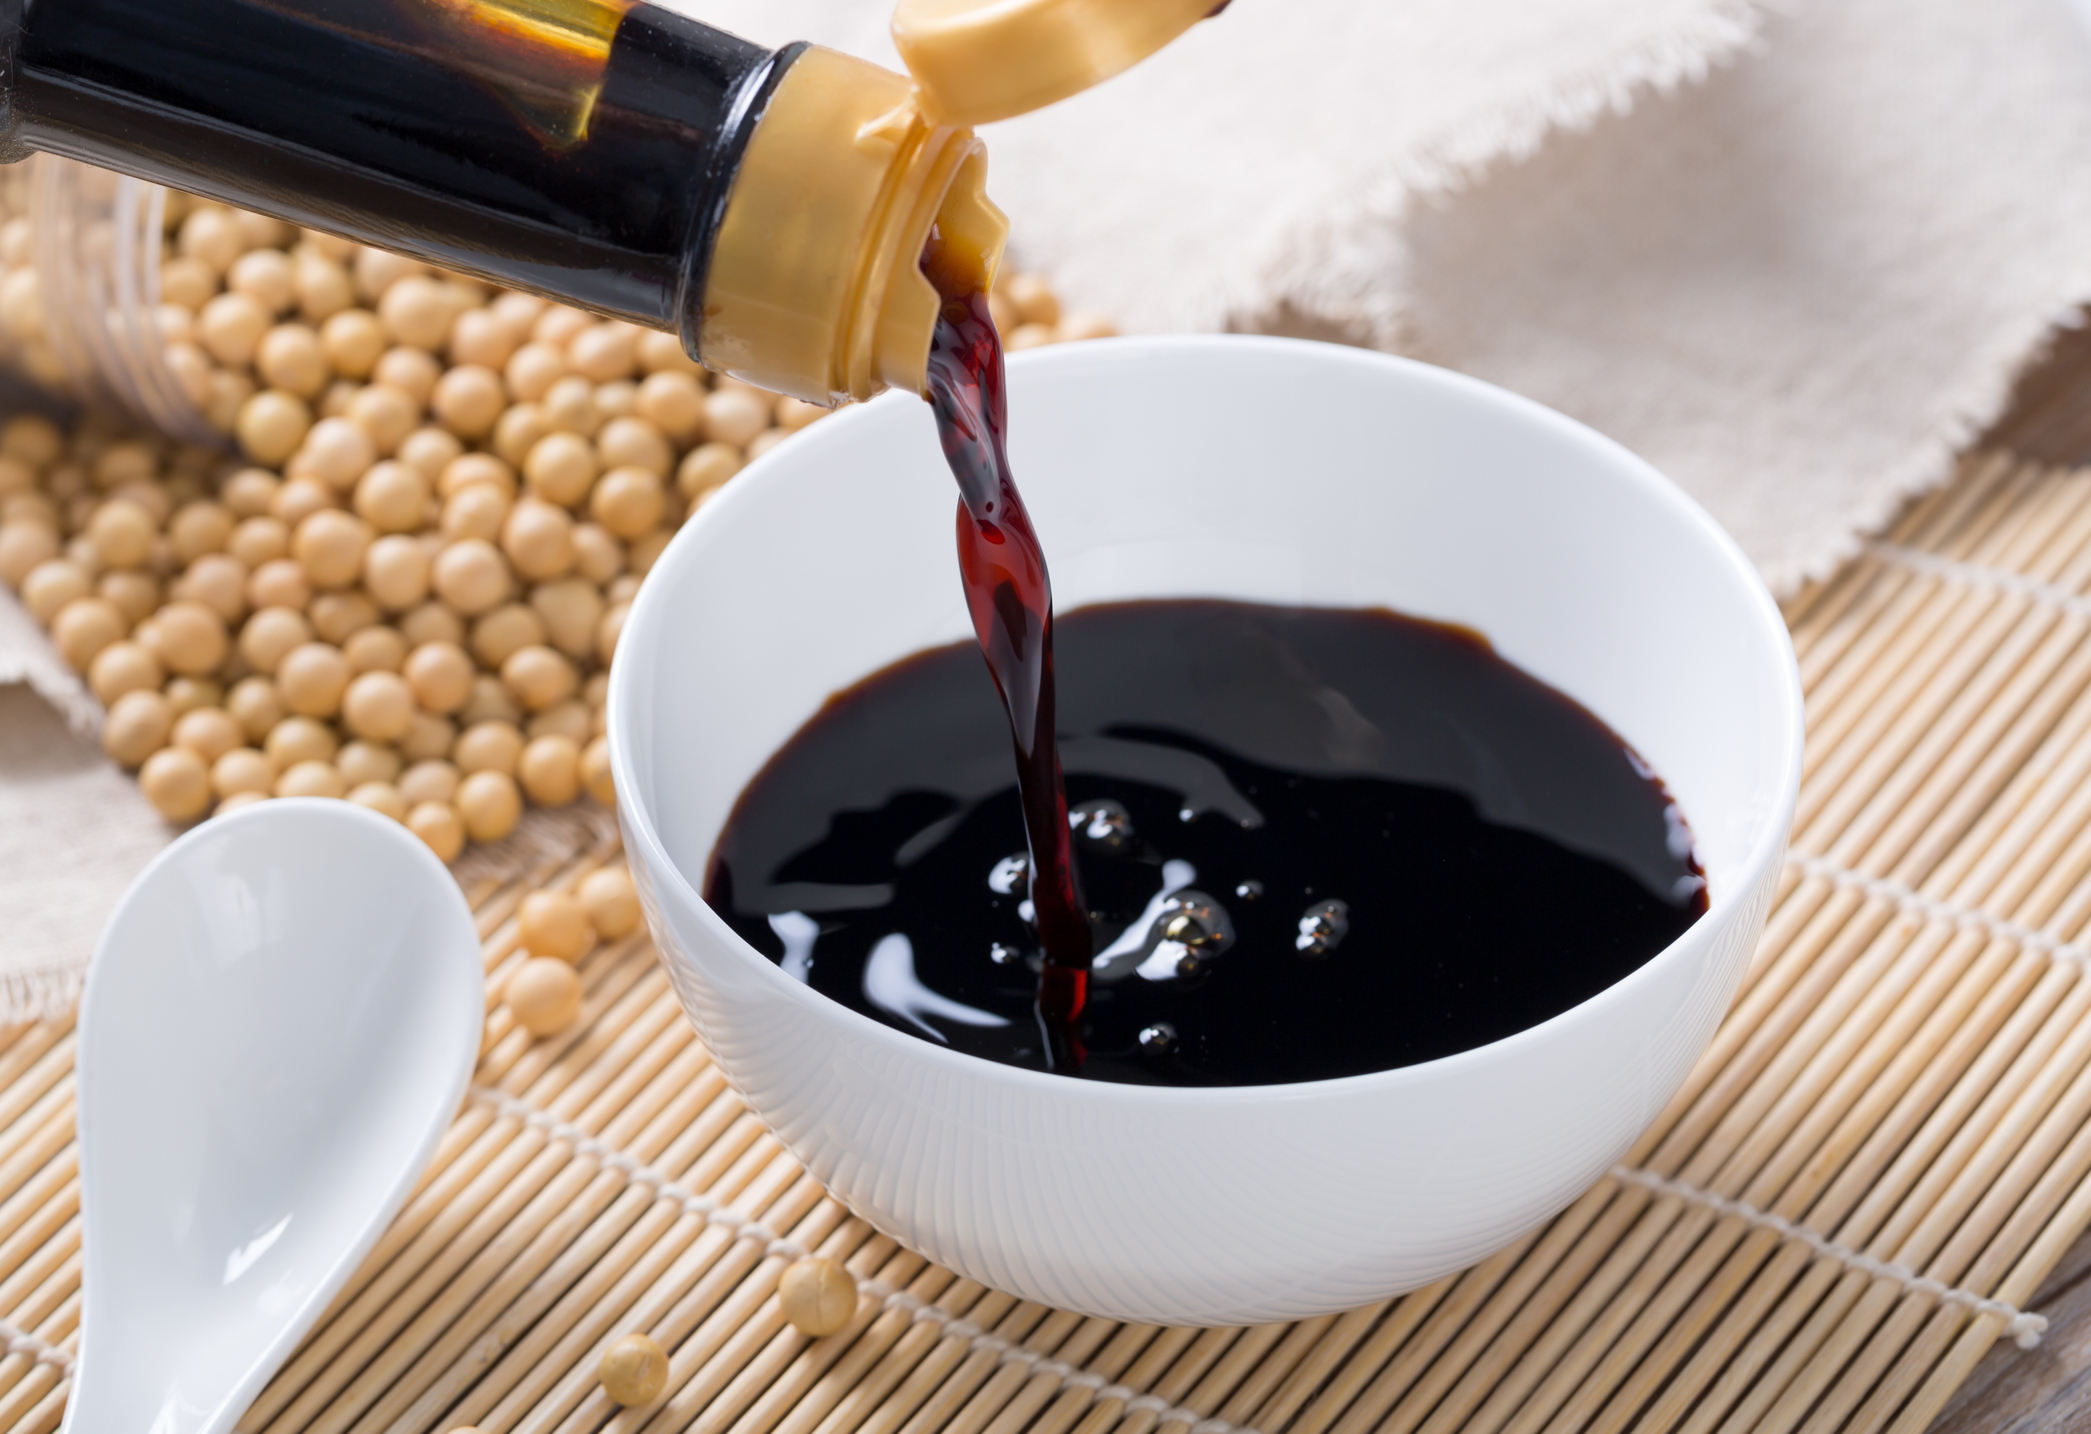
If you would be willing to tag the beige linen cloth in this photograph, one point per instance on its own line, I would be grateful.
(1793, 256)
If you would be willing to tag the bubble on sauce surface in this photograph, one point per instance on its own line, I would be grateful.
(1010, 875)
(1137, 942)
(1187, 933)
(1322, 928)
(1104, 825)
(1188, 928)
(1158, 1039)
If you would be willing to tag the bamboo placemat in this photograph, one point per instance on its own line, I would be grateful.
(1868, 1175)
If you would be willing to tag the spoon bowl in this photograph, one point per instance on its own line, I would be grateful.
(277, 1029)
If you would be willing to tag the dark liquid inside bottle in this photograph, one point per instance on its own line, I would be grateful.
(1313, 843)
(579, 148)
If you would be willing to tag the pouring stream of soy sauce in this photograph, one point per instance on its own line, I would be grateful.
(1010, 595)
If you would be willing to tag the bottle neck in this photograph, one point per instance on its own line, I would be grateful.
(581, 149)
(815, 285)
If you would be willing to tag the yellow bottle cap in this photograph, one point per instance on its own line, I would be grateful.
(979, 60)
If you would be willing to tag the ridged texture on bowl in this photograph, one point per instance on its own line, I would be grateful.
(1273, 1203)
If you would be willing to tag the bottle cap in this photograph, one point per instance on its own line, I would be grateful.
(979, 60)
(815, 285)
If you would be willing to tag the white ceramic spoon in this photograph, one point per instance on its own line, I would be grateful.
(277, 1029)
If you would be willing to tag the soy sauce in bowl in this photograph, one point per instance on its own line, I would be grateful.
(1312, 842)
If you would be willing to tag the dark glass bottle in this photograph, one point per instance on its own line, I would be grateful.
(593, 151)
(769, 206)
(527, 151)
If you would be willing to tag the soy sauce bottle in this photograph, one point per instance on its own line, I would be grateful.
(768, 206)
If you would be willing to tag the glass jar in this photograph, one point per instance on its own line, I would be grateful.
(81, 251)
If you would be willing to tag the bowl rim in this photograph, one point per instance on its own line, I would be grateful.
(1766, 849)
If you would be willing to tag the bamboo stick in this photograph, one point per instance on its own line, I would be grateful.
(34, 1062)
(1274, 1370)
(1945, 629)
(1248, 1350)
(1611, 1348)
(1006, 1381)
(891, 1364)
(43, 1262)
(1175, 1384)
(548, 1390)
(1915, 839)
(1936, 669)
(51, 1130)
(38, 1210)
(2017, 1288)
(933, 1372)
(1822, 602)
(610, 1285)
(1893, 761)
(29, 1396)
(1898, 659)
(9, 1035)
(1962, 1190)
(720, 1272)
(398, 1354)
(1512, 1386)
(1667, 1386)
(1804, 1300)
(1144, 1368)
(702, 1367)
(559, 1251)
(1930, 1056)
(836, 1401)
(516, 1302)
(1822, 639)
(41, 1304)
(482, 1220)
(1975, 526)
(301, 1385)
(1025, 1404)
(1900, 1152)
(975, 1369)
(45, 1417)
(1469, 1307)
(780, 1366)
(2033, 1184)
(16, 1367)
(1876, 1203)
(56, 1326)
(1102, 1410)
(1327, 1354)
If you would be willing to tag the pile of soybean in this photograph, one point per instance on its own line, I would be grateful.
(402, 580)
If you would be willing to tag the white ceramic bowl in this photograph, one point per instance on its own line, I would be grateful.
(1247, 468)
